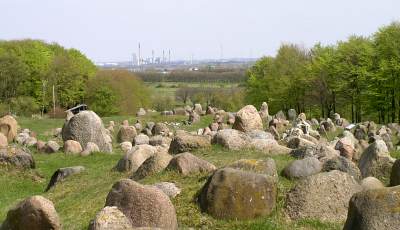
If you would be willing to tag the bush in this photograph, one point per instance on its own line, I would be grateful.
(163, 103)
(24, 106)
(117, 92)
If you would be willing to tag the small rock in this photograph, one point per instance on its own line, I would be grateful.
(168, 188)
(72, 147)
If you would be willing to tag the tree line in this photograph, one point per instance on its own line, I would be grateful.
(35, 76)
(358, 78)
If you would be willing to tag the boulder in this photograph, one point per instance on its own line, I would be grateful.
(371, 183)
(33, 213)
(193, 117)
(342, 164)
(168, 188)
(239, 195)
(90, 148)
(62, 173)
(51, 147)
(187, 163)
(21, 138)
(231, 139)
(376, 161)
(144, 206)
(186, 142)
(264, 114)
(324, 196)
(160, 140)
(395, 174)
(141, 112)
(198, 109)
(86, 127)
(302, 168)
(141, 139)
(126, 146)
(134, 158)
(298, 142)
(374, 209)
(267, 166)
(320, 151)
(248, 119)
(292, 115)
(16, 157)
(3, 141)
(110, 218)
(73, 147)
(154, 164)
(126, 134)
(9, 127)
(160, 129)
(31, 141)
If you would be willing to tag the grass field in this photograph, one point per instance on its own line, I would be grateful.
(80, 197)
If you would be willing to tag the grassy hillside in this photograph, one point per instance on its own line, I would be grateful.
(79, 197)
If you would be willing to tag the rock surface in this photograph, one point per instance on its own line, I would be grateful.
(126, 134)
(154, 164)
(324, 196)
(302, 168)
(187, 163)
(186, 142)
(110, 218)
(248, 119)
(16, 157)
(144, 206)
(73, 147)
(374, 209)
(33, 213)
(267, 166)
(9, 127)
(134, 158)
(240, 195)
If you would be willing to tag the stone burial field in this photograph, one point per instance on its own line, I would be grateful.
(199, 169)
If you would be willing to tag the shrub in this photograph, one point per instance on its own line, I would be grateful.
(24, 106)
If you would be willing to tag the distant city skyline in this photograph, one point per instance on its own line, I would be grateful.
(203, 29)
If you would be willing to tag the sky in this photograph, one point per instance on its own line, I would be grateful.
(110, 30)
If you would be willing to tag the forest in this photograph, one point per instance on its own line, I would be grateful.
(358, 78)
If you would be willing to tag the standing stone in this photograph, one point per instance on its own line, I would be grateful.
(292, 114)
(154, 164)
(376, 161)
(110, 218)
(126, 133)
(231, 139)
(135, 157)
(160, 129)
(33, 213)
(324, 196)
(193, 117)
(264, 114)
(198, 109)
(248, 119)
(51, 147)
(9, 127)
(141, 139)
(239, 195)
(374, 209)
(86, 127)
(267, 166)
(16, 157)
(144, 206)
(90, 148)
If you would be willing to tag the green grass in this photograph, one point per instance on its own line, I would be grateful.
(80, 197)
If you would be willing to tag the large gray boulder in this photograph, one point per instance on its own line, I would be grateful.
(187, 163)
(324, 196)
(186, 142)
(33, 213)
(86, 127)
(144, 206)
(376, 161)
(248, 119)
(302, 168)
(374, 209)
(239, 195)
(110, 218)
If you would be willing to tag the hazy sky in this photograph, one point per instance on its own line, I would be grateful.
(109, 30)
